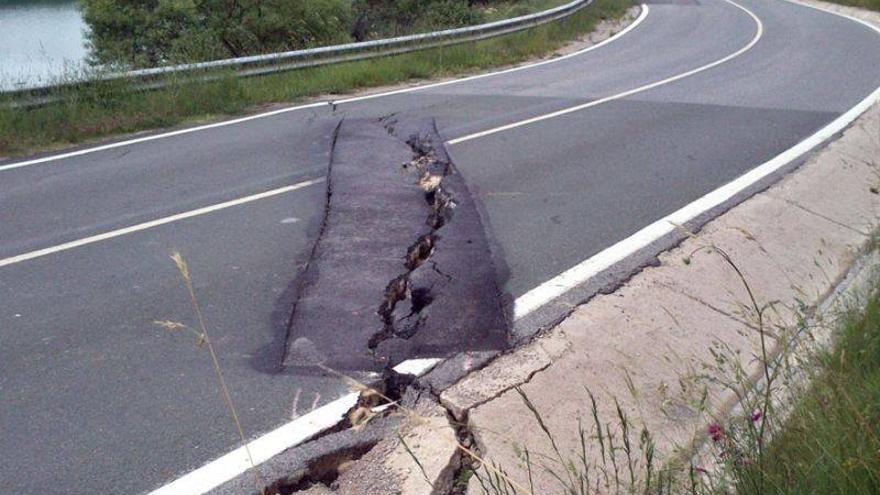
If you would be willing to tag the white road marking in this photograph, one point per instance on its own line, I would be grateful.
(328, 104)
(758, 34)
(227, 467)
(154, 223)
(583, 271)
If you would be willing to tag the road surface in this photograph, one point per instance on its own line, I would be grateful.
(566, 158)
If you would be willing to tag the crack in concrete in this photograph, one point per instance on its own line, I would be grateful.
(817, 214)
(507, 388)
(708, 305)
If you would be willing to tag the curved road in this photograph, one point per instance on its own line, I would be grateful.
(567, 159)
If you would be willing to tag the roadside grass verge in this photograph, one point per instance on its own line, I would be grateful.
(105, 109)
(865, 4)
(831, 441)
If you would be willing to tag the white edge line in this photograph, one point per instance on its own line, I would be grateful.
(263, 448)
(580, 273)
(758, 34)
(227, 467)
(72, 154)
(154, 223)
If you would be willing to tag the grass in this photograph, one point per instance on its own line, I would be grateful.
(830, 443)
(865, 4)
(111, 108)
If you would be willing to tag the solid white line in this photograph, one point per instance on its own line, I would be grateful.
(71, 154)
(580, 273)
(154, 223)
(227, 467)
(758, 34)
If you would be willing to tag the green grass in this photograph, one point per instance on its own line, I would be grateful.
(831, 442)
(102, 110)
(865, 4)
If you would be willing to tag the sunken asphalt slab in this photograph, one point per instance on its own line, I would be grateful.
(89, 384)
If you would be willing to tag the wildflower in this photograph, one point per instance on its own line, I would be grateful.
(716, 432)
(756, 415)
(700, 470)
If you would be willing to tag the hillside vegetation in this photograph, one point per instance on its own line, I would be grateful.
(138, 33)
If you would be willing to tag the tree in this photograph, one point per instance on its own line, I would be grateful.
(148, 33)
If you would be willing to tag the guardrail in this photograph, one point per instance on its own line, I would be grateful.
(297, 59)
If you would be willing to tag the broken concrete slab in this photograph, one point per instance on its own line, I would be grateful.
(502, 374)
(313, 465)
(419, 460)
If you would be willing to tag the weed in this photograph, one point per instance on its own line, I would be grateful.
(204, 340)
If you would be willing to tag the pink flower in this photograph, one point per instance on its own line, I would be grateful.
(700, 470)
(756, 416)
(716, 432)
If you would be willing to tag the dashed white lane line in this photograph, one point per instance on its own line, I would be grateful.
(758, 34)
(582, 272)
(227, 467)
(326, 104)
(154, 223)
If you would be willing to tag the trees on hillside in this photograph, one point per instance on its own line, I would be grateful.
(149, 33)
(145, 33)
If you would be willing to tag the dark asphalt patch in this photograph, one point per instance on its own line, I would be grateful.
(402, 268)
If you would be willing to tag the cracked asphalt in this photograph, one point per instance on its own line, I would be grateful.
(95, 398)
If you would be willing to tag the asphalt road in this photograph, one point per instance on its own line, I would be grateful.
(95, 398)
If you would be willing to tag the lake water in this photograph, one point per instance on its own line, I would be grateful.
(39, 40)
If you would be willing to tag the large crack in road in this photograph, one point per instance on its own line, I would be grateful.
(402, 268)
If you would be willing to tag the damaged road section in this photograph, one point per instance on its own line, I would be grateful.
(402, 268)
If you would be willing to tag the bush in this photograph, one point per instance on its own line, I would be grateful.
(138, 33)
(381, 18)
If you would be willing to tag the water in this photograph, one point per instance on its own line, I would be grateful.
(39, 41)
